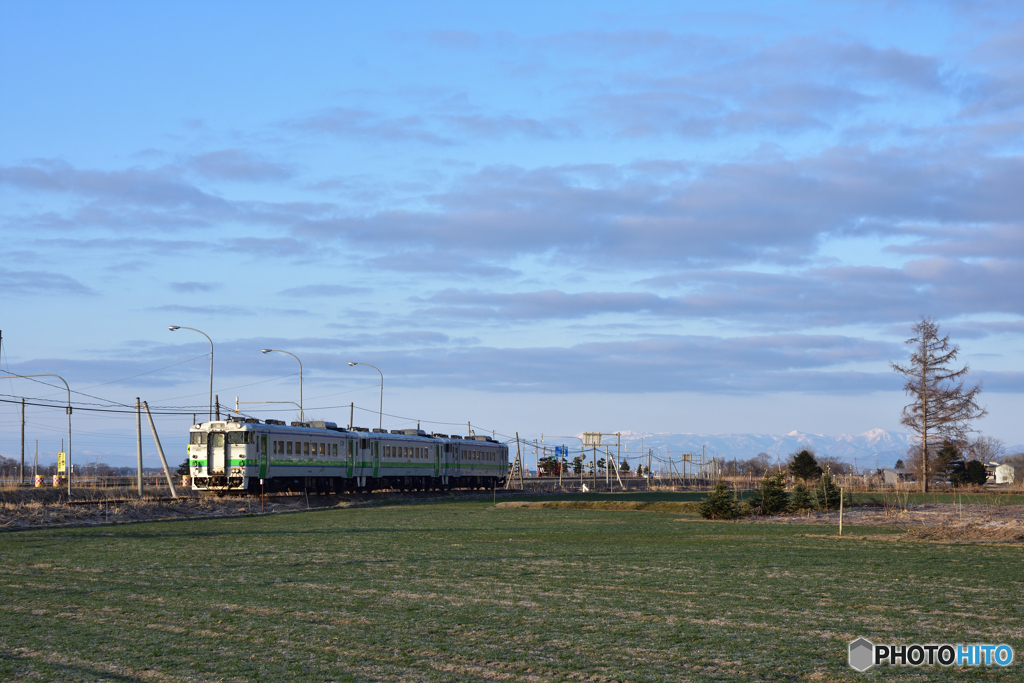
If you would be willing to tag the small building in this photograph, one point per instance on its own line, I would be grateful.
(1004, 474)
(893, 477)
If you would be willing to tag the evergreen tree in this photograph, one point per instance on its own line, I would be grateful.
(942, 407)
(771, 497)
(826, 494)
(975, 473)
(950, 462)
(801, 498)
(719, 504)
(804, 466)
(183, 468)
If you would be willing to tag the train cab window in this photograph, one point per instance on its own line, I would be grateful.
(217, 440)
(236, 437)
(198, 438)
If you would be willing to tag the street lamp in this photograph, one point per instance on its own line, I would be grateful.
(380, 415)
(172, 328)
(301, 415)
(50, 374)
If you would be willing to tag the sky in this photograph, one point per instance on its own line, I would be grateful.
(687, 217)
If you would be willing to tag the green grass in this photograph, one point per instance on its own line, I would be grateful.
(456, 591)
(890, 498)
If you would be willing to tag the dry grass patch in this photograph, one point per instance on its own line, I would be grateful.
(677, 507)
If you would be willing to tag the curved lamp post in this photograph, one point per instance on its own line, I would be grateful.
(172, 328)
(50, 374)
(380, 415)
(302, 417)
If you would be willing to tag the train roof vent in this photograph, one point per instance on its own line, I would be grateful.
(274, 422)
(380, 431)
(455, 436)
(336, 428)
(440, 436)
(300, 424)
(477, 437)
(413, 432)
(252, 421)
(397, 431)
(321, 424)
(360, 429)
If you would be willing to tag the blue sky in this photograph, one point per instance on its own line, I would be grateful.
(544, 217)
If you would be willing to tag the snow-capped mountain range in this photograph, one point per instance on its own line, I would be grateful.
(871, 447)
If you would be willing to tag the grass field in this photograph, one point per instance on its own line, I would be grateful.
(452, 591)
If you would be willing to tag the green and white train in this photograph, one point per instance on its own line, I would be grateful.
(246, 455)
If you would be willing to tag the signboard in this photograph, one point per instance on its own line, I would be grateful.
(61, 462)
(561, 451)
(591, 439)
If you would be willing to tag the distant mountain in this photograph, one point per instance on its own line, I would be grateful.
(871, 447)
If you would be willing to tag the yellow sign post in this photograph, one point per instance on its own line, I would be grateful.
(61, 462)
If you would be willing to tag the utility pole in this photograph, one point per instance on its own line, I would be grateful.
(22, 441)
(160, 450)
(351, 413)
(138, 441)
(217, 402)
(650, 455)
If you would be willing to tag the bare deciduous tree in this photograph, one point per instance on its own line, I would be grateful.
(985, 449)
(942, 406)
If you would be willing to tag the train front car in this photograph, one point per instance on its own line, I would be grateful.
(224, 456)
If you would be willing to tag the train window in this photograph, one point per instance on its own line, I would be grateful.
(198, 438)
(334, 449)
(289, 444)
(236, 437)
(323, 449)
(217, 440)
(305, 448)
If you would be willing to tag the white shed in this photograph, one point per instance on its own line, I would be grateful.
(1004, 474)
